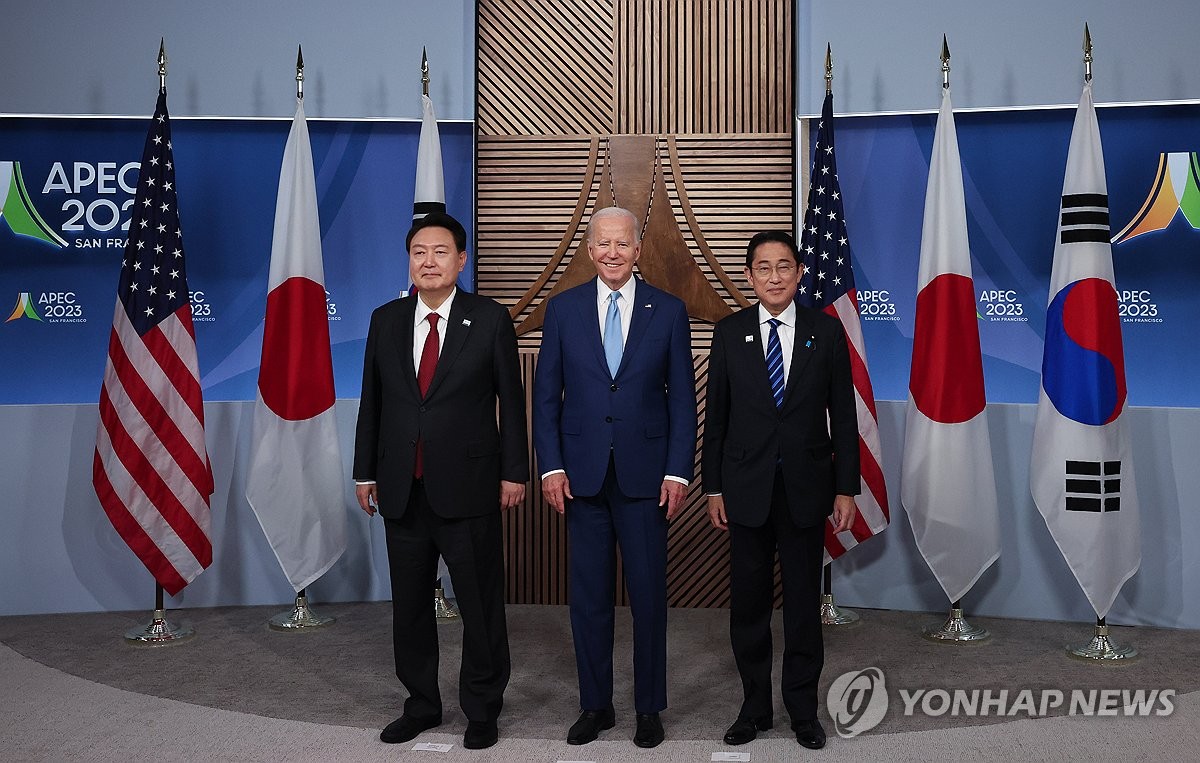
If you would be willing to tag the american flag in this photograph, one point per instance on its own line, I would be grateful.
(150, 469)
(828, 285)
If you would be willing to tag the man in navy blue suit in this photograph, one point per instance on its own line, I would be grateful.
(614, 426)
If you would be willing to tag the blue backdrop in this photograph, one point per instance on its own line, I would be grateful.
(78, 176)
(1013, 164)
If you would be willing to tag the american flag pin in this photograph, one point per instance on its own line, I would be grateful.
(749, 337)
(466, 321)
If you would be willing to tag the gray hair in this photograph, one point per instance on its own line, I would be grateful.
(607, 212)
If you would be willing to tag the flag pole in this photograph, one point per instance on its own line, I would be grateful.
(831, 614)
(443, 608)
(955, 629)
(159, 631)
(300, 616)
(1100, 648)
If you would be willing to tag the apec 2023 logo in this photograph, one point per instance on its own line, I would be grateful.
(93, 215)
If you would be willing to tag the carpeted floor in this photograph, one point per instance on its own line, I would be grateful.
(342, 675)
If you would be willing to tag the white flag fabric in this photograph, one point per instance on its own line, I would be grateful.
(429, 195)
(296, 485)
(1082, 476)
(430, 188)
(948, 486)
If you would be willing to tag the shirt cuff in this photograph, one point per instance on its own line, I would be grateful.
(553, 471)
(680, 480)
(364, 482)
(713, 495)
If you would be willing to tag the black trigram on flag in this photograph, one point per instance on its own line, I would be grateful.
(1084, 218)
(1093, 486)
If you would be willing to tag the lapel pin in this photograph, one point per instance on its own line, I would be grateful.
(749, 338)
(809, 343)
(647, 305)
(466, 322)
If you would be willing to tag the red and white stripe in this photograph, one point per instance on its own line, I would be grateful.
(872, 502)
(150, 468)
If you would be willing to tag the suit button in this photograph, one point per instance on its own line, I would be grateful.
(608, 419)
(422, 409)
(613, 388)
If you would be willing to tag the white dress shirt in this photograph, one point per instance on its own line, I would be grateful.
(624, 306)
(786, 331)
(421, 326)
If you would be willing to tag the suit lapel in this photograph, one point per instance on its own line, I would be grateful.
(802, 350)
(749, 337)
(643, 308)
(458, 325)
(404, 343)
(590, 315)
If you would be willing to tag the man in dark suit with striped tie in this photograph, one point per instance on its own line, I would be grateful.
(780, 455)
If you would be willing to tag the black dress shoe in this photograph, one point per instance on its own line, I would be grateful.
(480, 734)
(746, 730)
(590, 724)
(810, 734)
(649, 730)
(406, 728)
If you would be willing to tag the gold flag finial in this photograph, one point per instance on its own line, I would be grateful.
(828, 69)
(162, 65)
(424, 72)
(1087, 53)
(945, 63)
(299, 73)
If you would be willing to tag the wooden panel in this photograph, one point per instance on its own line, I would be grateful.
(704, 66)
(544, 67)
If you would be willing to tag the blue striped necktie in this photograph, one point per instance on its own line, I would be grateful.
(775, 362)
(613, 346)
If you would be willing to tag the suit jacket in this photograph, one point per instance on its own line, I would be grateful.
(466, 451)
(813, 438)
(645, 415)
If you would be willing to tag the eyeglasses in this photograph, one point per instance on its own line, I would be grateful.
(784, 269)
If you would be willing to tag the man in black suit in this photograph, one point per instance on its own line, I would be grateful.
(432, 456)
(780, 455)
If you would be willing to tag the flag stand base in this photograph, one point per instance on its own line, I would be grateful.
(299, 618)
(832, 614)
(159, 632)
(1101, 649)
(956, 630)
(442, 607)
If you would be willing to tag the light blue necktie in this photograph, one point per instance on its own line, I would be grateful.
(775, 362)
(613, 346)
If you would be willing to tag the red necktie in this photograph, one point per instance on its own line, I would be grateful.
(429, 358)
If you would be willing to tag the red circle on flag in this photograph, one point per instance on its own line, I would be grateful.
(296, 377)
(947, 366)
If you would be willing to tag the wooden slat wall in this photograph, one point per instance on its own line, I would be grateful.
(704, 66)
(544, 67)
(713, 80)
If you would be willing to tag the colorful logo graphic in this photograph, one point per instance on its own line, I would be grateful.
(24, 308)
(18, 210)
(1083, 369)
(1176, 189)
